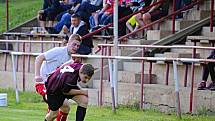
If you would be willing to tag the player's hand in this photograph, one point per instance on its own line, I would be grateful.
(45, 98)
(38, 79)
(85, 92)
(40, 88)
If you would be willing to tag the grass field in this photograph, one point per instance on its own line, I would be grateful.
(19, 11)
(31, 108)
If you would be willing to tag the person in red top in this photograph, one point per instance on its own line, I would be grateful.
(62, 84)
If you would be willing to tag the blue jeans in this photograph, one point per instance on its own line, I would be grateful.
(180, 4)
(84, 11)
(65, 20)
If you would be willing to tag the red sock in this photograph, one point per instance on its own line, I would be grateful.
(62, 116)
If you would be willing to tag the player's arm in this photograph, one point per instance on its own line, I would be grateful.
(38, 62)
(67, 63)
(39, 83)
(77, 92)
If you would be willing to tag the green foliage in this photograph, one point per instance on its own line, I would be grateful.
(31, 108)
(19, 12)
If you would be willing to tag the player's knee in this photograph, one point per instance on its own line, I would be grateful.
(52, 115)
(83, 101)
(65, 107)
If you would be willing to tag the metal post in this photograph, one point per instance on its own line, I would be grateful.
(109, 54)
(167, 73)
(185, 75)
(150, 72)
(192, 79)
(142, 81)
(5, 56)
(101, 78)
(14, 79)
(29, 59)
(115, 76)
(53, 39)
(23, 68)
(7, 15)
(42, 45)
(173, 17)
(17, 50)
(212, 15)
(178, 107)
(112, 84)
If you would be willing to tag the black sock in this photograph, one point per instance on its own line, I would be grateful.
(80, 113)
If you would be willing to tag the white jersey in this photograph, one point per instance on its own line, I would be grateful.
(53, 59)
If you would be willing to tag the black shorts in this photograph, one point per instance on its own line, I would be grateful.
(55, 101)
(157, 14)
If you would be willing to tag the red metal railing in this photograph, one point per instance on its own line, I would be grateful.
(162, 19)
(6, 52)
(212, 14)
(144, 47)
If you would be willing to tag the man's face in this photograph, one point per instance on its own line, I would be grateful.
(75, 21)
(73, 46)
(84, 77)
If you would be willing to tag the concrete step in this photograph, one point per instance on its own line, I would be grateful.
(129, 77)
(179, 24)
(157, 34)
(176, 50)
(206, 5)
(203, 53)
(95, 62)
(179, 55)
(159, 96)
(135, 67)
(206, 32)
(159, 69)
(196, 14)
(101, 40)
(137, 41)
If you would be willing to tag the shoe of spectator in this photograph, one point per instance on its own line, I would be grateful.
(51, 30)
(179, 16)
(202, 85)
(211, 86)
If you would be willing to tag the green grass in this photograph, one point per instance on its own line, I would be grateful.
(19, 12)
(31, 108)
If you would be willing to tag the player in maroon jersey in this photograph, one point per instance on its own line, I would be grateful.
(62, 84)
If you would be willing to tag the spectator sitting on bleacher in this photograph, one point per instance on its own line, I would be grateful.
(84, 9)
(79, 27)
(156, 12)
(104, 16)
(180, 4)
(132, 25)
(208, 68)
(135, 5)
(51, 8)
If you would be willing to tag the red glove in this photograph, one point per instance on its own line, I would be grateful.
(40, 88)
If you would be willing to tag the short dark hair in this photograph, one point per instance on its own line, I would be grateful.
(75, 37)
(88, 69)
(76, 16)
